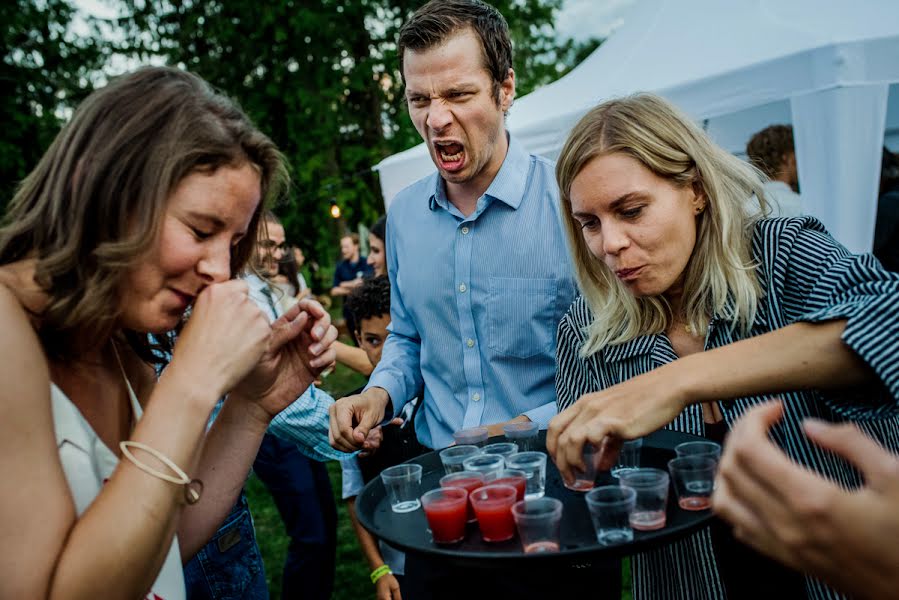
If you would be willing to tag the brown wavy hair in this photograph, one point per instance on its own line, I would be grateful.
(438, 20)
(96, 200)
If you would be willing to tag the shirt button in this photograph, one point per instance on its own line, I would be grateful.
(462, 288)
(476, 397)
(470, 343)
(465, 231)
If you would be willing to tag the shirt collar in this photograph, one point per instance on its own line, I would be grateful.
(508, 186)
(254, 282)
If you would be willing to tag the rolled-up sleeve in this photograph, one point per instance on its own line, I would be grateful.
(306, 423)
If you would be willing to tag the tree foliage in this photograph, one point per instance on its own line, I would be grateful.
(321, 78)
(47, 69)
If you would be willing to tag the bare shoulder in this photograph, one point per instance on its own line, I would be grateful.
(20, 340)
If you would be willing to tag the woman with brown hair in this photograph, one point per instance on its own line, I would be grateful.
(145, 205)
(693, 310)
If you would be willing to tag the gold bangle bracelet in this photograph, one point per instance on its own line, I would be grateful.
(193, 488)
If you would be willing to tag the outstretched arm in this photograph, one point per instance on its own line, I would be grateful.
(799, 356)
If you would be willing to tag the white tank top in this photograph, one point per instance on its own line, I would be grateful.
(88, 463)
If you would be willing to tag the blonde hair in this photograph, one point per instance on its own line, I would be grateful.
(720, 276)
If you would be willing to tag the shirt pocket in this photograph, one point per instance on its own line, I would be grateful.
(521, 314)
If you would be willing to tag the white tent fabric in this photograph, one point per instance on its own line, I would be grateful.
(738, 66)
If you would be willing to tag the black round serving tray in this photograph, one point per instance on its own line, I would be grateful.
(409, 531)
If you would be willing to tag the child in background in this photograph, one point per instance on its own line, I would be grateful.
(370, 306)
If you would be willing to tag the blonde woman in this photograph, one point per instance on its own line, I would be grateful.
(694, 310)
(146, 203)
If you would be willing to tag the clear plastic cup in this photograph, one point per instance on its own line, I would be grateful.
(584, 480)
(629, 457)
(467, 480)
(694, 480)
(513, 477)
(504, 449)
(538, 524)
(453, 457)
(534, 466)
(402, 483)
(651, 487)
(475, 436)
(610, 508)
(446, 510)
(710, 449)
(524, 434)
(493, 507)
(487, 464)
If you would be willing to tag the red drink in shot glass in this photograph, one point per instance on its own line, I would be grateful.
(516, 481)
(445, 509)
(493, 507)
(466, 480)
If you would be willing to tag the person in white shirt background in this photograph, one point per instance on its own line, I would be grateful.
(771, 150)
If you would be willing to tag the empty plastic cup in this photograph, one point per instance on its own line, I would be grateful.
(504, 449)
(487, 464)
(710, 449)
(453, 457)
(628, 457)
(610, 509)
(538, 524)
(694, 479)
(651, 487)
(584, 480)
(402, 483)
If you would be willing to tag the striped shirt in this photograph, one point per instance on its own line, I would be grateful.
(806, 276)
(475, 300)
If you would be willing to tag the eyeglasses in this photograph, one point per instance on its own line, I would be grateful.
(271, 245)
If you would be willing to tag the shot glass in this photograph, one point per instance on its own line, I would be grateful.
(446, 511)
(453, 456)
(513, 477)
(610, 508)
(694, 479)
(402, 483)
(534, 466)
(488, 464)
(538, 524)
(504, 449)
(709, 449)
(475, 436)
(629, 457)
(524, 434)
(584, 480)
(467, 480)
(493, 507)
(651, 487)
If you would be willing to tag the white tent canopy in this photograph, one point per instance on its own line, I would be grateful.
(738, 66)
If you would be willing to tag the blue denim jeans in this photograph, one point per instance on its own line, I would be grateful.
(229, 567)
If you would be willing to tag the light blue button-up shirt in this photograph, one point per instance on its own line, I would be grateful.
(306, 421)
(475, 301)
